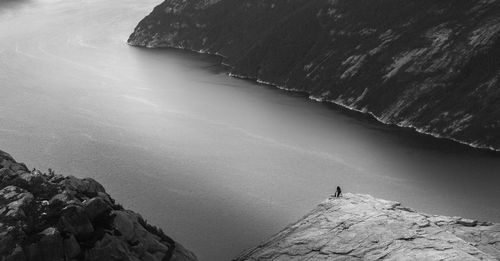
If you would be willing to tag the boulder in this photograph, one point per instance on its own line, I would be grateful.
(49, 248)
(12, 200)
(467, 222)
(106, 198)
(150, 257)
(131, 230)
(74, 220)
(71, 247)
(5, 155)
(123, 222)
(18, 166)
(96, 207)
(65, 198)
(5, 172)
(5, 163)
(87, 186)
(17, 254)
(36, 183)
(56, 178)
(7, 240)
(32, 178)
(110, 248)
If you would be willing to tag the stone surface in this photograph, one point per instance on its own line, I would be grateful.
(50, 217)
(130, 229)
(96, 207)
(65, 198)
(74, 220)
(427, 65)
(110, 248)
(12, 200)
(71, 247)
(360, 227)
(87, 186)
(48, 248)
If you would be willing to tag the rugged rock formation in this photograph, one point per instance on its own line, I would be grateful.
(428, 65)
(52, 217)
(360, 227)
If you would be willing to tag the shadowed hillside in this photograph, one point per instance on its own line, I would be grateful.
(429, 65)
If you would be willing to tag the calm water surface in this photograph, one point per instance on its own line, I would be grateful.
(219, 163)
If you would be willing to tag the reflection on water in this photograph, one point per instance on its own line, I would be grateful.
(219, 163)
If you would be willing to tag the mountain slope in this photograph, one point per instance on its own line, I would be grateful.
(429, 65)
(50, 217)
(360, 227)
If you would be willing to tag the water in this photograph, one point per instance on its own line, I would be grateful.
(219, 163)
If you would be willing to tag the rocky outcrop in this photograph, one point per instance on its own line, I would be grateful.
(45, 216)
(360, 227)
(427, 65)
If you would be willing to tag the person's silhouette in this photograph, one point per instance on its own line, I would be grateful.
(338, 193)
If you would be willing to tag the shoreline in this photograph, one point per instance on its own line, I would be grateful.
(364, 112)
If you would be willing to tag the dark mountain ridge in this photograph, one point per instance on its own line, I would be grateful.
(428, 65)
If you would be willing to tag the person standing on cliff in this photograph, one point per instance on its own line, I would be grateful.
(338, 193)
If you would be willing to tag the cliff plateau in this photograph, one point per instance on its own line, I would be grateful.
(360, 227)
(50, 217)
(428, 65)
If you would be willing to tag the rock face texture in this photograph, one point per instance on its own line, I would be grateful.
(46, 216)
(428, 65)
(360, 227)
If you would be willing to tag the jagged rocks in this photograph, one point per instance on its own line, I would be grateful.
(128, 225)
(467, 222)
(16, 255)
(12, 200)
(86, 186)
(65, 198)
(360, 227)
(96, 207)
(49, 247)
(110, 248)
(50, 217)
(71, 247)
(74, 220)
(130, 241)
(8, 239)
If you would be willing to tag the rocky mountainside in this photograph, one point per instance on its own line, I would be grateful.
(428, 65)
(360, 227)
(50, 217)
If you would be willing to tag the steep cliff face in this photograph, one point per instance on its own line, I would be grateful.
(50, 217)
(429, 65)
(360, 227)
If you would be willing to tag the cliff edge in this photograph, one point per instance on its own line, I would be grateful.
(360, 227)
(427, 65)
(50, 217)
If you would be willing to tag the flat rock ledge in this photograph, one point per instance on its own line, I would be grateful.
(360, 227)
(47, 216)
